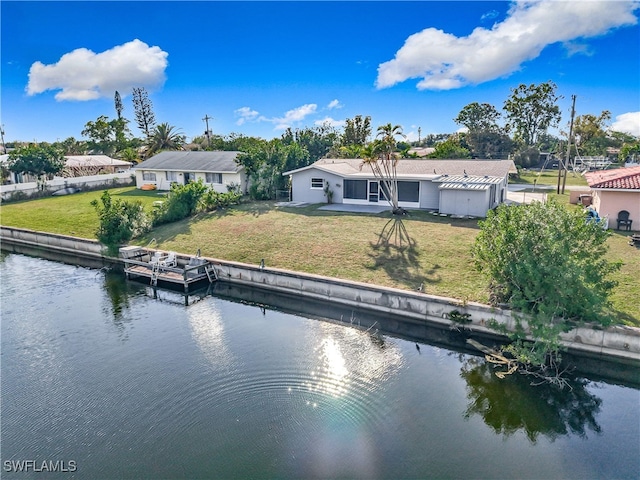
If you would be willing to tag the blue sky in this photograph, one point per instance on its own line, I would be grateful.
(258, 67)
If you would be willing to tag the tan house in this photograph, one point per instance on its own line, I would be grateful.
(218, 170)
(615, 191)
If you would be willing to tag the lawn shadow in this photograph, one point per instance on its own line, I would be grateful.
(313, 210)
(397, 254)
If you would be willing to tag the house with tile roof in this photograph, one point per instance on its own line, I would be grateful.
(614, 191)
(217, 169)
(454, 187)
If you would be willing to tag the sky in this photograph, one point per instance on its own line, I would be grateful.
(257, 68)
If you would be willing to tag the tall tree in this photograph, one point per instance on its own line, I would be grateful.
(479, 117)
(101, 134)
(531, 110)
(484, 135)
(380, 156)
(590, 133)
(143, 109)
(164, 137)
(318, 140)
(118, 104)
(357, 131)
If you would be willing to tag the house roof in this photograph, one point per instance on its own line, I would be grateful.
(626, 178)
(93, 161)
(215, 162)
(416, 168)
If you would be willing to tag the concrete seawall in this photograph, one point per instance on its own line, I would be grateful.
(620, 344)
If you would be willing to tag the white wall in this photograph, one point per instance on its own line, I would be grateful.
(90, 181)
(162, 183)
(474, 203)
(301, 190)
(429, 195)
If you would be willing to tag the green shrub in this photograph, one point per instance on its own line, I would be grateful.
(548, 263)
(120, 221)
(182, 202)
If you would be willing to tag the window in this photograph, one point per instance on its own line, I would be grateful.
(409, 192)
(317, 183)
(355, 189)
(213, 177)
(149, 176)
(172, 176)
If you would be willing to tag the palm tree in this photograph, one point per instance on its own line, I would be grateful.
(380, 156)
(164, 137)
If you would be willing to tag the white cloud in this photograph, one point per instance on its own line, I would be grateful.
(444, 61)
(84, 75)
(627, 123)
(295, 115)
(334, 104)
(245, 114)
(331, 121)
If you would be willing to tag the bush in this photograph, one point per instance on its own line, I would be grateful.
(548, 263)
(182, 202)
(120, 221)
(213, 200)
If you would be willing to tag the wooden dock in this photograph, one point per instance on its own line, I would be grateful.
(161, 267)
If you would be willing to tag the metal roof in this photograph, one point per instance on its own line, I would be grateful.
(214, 162)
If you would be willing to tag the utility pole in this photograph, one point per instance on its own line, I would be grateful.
(419, 131)
(565, 169)
(207, 132)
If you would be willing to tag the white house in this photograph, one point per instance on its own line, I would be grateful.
(218, 170)
(454, 187)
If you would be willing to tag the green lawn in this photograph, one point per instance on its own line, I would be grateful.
(419, 249)
(549, 177)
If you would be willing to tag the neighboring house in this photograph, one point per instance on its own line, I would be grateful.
(75, 166)
(12, 177)
(85, 165)
(616, 190)
(217, 169)
(453, 187)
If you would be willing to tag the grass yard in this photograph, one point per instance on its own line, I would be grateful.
(420, 249)
(550, 177)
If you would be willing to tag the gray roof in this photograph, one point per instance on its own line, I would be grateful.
(214, 162)
(417, 168)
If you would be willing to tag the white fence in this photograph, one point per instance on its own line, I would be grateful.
(25, 190)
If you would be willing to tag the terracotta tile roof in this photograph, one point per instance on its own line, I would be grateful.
(627, 178)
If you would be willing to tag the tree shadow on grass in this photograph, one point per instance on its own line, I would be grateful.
(397, 254)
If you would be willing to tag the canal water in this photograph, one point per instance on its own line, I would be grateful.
(113, 380)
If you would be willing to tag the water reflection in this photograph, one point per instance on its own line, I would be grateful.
(207, 330)
(118, 292)
(368, 360)
(512, 404)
